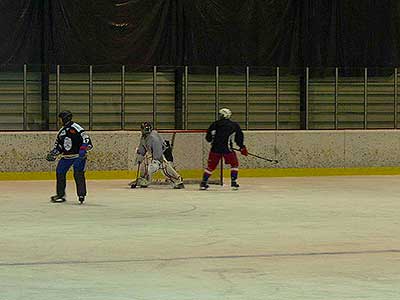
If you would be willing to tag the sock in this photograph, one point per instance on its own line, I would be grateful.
(234, 174)
(206, 175)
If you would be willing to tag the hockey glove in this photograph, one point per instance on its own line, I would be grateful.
(51, 157)
(243, 151)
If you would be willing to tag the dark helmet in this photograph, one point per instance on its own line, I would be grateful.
(65, 116)
(146, 128)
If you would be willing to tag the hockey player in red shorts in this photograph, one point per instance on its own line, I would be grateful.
(221, 135)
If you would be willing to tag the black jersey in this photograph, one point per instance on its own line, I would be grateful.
(70, 139)
(221, 135)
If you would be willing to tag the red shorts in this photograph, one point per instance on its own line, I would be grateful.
(214, 158)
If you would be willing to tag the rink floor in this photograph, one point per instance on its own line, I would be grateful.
(276, 238)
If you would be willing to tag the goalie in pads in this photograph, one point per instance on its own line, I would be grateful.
(152, 155)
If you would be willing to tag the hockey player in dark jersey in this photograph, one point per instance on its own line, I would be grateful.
(72, 144)
(221, 135)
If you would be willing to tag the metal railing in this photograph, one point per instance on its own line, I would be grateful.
(260, 98)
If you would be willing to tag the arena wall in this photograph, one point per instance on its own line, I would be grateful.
(300, 153)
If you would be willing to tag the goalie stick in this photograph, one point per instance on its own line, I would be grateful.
(275, 161)
(173, 141)
(134, 185)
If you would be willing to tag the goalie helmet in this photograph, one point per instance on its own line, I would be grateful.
(225, 113)
(65, 116)
(146, 128)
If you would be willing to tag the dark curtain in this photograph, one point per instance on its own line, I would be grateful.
(113, 32)
(20, 31)
(292, 33)
(287, 33)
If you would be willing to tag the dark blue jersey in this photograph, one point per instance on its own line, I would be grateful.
(70, 139)
(222, 133)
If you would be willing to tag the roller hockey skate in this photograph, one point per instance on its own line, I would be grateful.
(81, 199)
(179, 186)
(132, 184)
(204, 185)
(140, 182)
(57, 199)
(234, 185)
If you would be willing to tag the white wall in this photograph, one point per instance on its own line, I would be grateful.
(21, 152)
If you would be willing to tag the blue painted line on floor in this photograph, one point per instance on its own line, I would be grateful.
(186, 258)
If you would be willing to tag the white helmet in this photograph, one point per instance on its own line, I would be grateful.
(225, 113)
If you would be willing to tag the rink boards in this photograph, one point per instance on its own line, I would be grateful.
(300, 153)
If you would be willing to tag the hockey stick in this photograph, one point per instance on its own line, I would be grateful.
(69, 156)
(173, 141)
(44, 158)
(275, 161)
(134, 185)
(39, 158)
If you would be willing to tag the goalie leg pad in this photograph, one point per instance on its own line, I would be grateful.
(143, 169)
(154, 166)
(143, 179)
(171, 174)
(142, 182)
